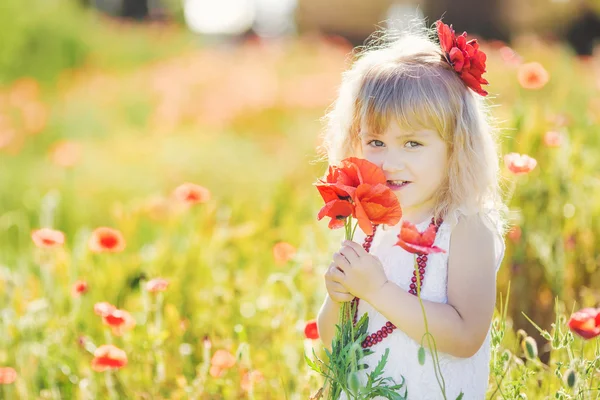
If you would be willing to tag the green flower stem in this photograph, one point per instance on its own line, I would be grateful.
(110, 384)
(430, 338)
(345, 314)
(354, 230)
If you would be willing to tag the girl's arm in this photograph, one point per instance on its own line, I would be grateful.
(327, 319)
(459, 327)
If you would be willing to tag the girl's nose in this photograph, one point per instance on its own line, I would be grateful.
(393, 164)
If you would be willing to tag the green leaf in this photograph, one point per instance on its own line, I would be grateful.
(421, 355)
(460, 396)
(381, 364)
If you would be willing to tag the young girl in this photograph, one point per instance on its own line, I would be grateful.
(415, 107)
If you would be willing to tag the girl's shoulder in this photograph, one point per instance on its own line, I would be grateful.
(485, 224)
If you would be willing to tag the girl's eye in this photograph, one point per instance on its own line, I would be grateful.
(376, 143)
(412, 144)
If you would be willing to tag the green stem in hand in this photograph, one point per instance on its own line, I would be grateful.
(354, 230)
(430, 338)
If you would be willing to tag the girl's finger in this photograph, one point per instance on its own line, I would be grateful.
(331, 267)
(341, 261)
(343, 297)
(337, 276)
(350, 254)
(358, 249)
(338, 287)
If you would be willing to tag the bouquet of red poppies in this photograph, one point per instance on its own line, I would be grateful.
(355, 190)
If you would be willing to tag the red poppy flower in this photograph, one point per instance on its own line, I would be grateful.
(329, 189)
(106, 240)
(355, 171)
(7, 375)
(340, 186)
(519, 164)
(338, 211)
(191, 193)
(586, 323)
(120, 321)
(342, 181)
(47, 238)
(157, 285)
(108, 356)
(311, 331)
(375, 205)
(413, 241)
(80, 287)
(103, 308)
(466, 58)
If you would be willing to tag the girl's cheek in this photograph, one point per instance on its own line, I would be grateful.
(373, 157)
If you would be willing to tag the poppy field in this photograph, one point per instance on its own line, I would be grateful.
(158, 219)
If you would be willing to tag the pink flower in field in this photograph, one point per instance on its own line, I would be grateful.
(7, 375)
(553, 139)
(519, 164)
(249, 379)
(106, 239)
(157, 285)
(190, 193)
(120, 321)
(66, 153)
(514, 234)
(80, 287)
(102, 309)
(108, 356)
(220, 361)
(532, 76)
(283, 252)
(48, 238)
(34, 115)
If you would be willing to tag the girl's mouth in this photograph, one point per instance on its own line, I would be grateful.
(397, 185)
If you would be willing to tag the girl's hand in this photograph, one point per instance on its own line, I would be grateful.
(337, 292)
(363, 272)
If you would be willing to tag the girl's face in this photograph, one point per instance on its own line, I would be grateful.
(414, 163)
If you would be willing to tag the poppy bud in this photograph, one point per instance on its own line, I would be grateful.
(530, 348)
(421, 355)
(569, 378)
(354, 383)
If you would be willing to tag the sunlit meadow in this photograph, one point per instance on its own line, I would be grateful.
(182, 256)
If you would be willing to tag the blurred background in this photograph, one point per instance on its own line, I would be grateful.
(108, 106)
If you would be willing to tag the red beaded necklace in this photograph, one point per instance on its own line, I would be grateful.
(389, 327)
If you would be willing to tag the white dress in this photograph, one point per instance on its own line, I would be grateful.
(469, 375)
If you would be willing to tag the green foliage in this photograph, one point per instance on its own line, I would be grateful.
(243, 122)
(40, 38)
(344, 362)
